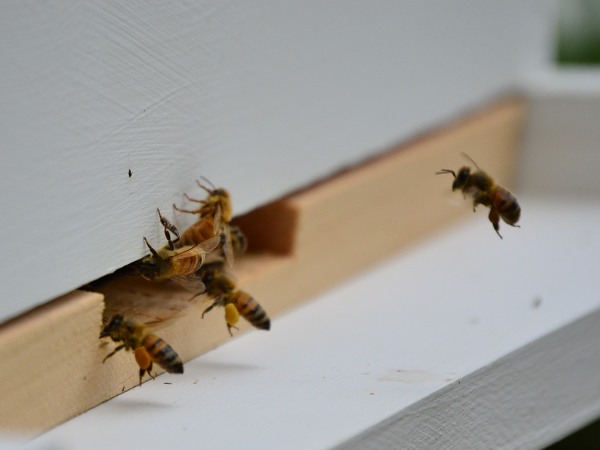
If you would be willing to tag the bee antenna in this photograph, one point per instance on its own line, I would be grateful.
(204, 187)
(208, 181)
(443, 171)
(470, 159)
(151, 249)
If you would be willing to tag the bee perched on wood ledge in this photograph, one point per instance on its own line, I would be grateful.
(174, 263)
(215, 214)
(484, 191)
(147, 347)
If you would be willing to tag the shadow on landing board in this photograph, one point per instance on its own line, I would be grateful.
(587, 438)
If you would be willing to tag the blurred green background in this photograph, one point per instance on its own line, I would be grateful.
(578, 32)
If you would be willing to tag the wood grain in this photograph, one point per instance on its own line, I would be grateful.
(302, 244)
(51, 366)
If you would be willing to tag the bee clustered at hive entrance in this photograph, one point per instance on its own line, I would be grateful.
(196, 260)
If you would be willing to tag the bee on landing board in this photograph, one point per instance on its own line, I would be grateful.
(215, 214)
(178, 264)
(147, 347)
(223, 289)
(482, 188)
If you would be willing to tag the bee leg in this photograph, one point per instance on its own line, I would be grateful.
(229, 327)
(495, 219)
(168, 236)
(216, 303)
(149, 369)
(193, 199)
(142, 372)
(208, 309)
(168, 226)
(120, 347)
(197, 211)
(478, 201)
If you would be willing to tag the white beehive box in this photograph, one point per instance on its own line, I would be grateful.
(430, 351)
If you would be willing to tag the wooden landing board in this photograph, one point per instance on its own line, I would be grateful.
(50, 368)
(300, 245)
(429, 350)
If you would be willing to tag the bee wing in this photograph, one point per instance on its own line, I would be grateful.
(228, 246)
(209, 245)
(200, 249)
(190, 282)
(217, 221)
(473, 191)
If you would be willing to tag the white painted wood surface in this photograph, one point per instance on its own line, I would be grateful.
(466, 341)
(261, 97)
(562, 139)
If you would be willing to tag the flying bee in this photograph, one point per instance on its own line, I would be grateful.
(179, 264)
(483, 189)
(223, 289)
(217, 207)
(147, 347)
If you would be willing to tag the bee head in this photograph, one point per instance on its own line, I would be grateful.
(113, 325)
(207, 278)
(220, 192)
(221, 196)
(461, 178)
(148, 268)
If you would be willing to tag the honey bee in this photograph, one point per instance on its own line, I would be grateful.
(147, 347)
(215, 210)
(239, 242)
(482, 188)
(223, 289)
(177, 264)
(203, 230)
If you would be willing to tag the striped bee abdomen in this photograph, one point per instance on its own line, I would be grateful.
(507, 205)
(189, 265)
(252, 311)
(163, 354)
(198, 232)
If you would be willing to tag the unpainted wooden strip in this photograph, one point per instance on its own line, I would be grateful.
(51, 369)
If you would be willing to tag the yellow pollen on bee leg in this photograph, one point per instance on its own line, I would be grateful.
(142, 357)
(232, 316)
